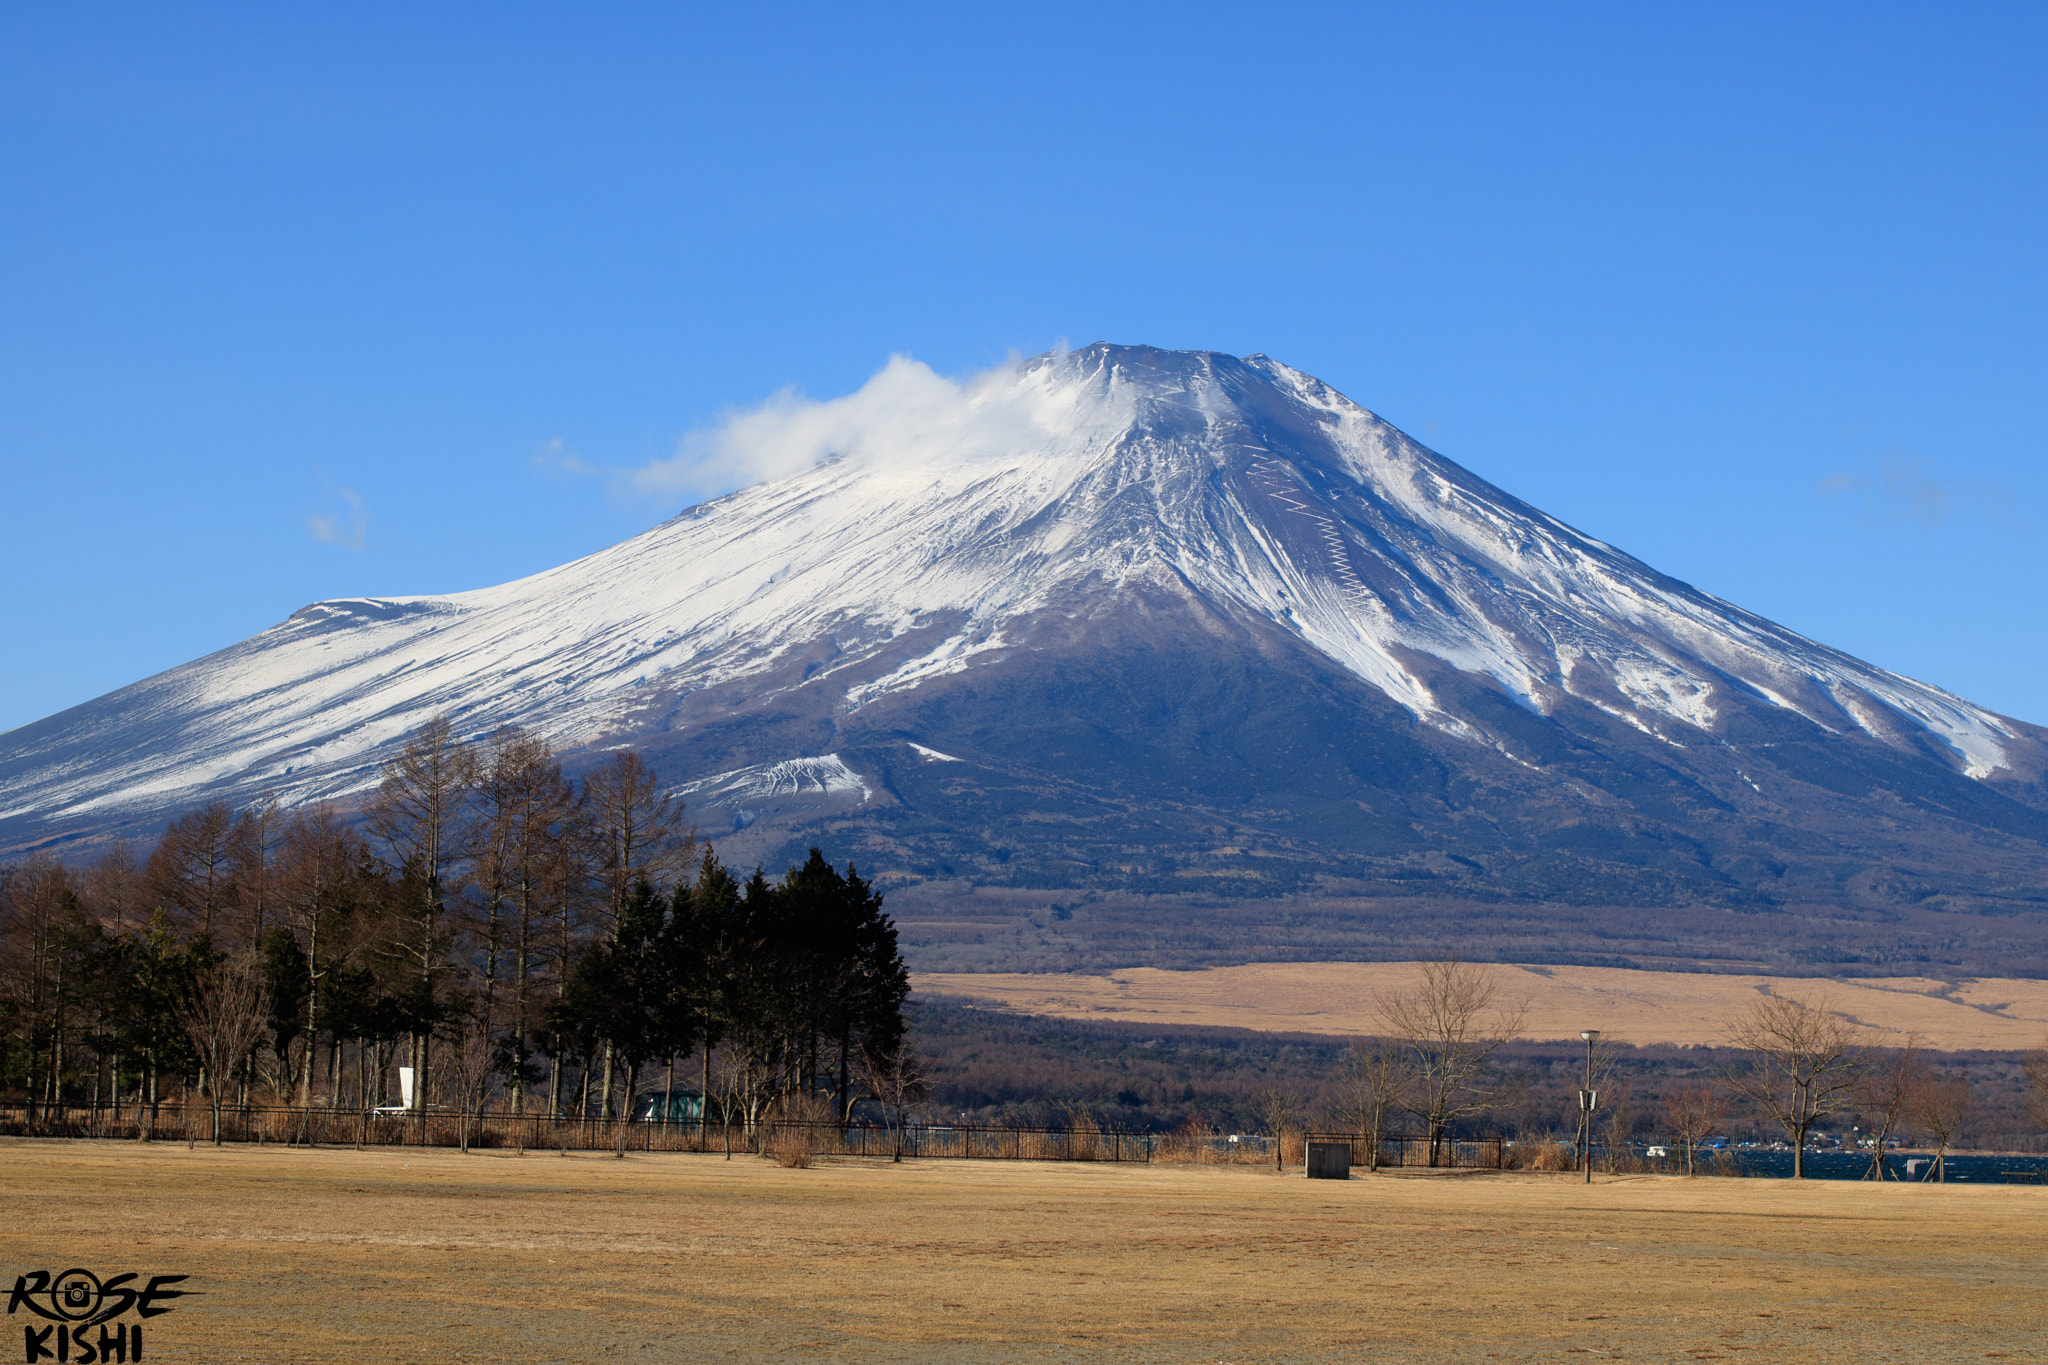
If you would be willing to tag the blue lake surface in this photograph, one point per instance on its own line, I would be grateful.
(1970, 1167)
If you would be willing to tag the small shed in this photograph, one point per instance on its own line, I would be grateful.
(673, 1106)
(1328, 1160)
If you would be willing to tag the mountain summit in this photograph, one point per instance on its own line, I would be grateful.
(1173, 626)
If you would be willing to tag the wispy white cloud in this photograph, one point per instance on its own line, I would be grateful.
(347, 525)
(556, 461)
(904, 414)
(1893, 491)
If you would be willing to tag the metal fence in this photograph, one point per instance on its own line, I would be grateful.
(538, 1132)
(1445, 1153)
(489, 1131)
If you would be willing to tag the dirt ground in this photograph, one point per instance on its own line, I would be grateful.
(1633, 1006)
(402, 1255)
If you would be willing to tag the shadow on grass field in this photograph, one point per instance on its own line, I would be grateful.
(411, 1255)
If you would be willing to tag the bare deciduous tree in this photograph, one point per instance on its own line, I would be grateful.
(1450, 1025)
(2036, 1067)
(1619, 1122)
(36, 899)
(1942, 1105)
(1801, 1063)
(1694, 1110)
(638, 829)
(637, 834)
(1278, 1107)
(744, 1081)
(224, 1016)
(418, 812)
(317, 858)
(1890, 1093)
(115, 886)
(897, 1080)
(252, 852)
(525, 872)
(118, 892)
(1369, 1086)
(191, 871)
(467, 1073)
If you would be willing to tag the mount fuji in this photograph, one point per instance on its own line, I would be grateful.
(1122, 654)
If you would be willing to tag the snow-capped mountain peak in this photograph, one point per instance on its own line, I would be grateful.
(922, 528)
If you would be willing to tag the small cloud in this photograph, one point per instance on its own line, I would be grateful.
(903, 416)
(1892, 491)
(556, 461)
(347, 525)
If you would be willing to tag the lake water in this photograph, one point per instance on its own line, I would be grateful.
(1969, 1167)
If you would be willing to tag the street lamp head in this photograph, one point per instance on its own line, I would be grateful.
(1590, 1034)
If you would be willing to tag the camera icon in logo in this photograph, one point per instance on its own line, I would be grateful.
(75, 1294)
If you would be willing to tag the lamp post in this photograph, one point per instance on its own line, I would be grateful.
(1589, 1100)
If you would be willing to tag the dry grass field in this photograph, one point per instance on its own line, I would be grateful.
(425, 1256)
(1638, 1007)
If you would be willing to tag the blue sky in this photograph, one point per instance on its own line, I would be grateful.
(304, 302)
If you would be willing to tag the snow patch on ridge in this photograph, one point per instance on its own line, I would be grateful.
(1672, 691)
(951, 656)
(824, 775)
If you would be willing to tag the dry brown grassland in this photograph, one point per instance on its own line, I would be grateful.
(412, 1255)
(1642, 1007)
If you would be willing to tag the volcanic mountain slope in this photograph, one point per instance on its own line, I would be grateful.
(1122, 652)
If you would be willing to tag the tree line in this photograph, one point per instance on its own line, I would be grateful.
(1785, 1063)
(509, 935)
